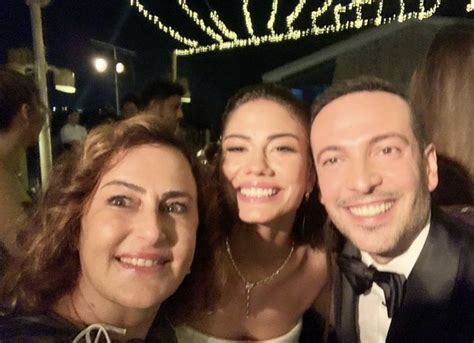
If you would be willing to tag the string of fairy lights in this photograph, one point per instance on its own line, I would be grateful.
(229, 39)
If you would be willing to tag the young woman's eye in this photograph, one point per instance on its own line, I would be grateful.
(119, 201)
(175, 207)
(234, 149)
(285, 148)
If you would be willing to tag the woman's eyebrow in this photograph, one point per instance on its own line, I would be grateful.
(128, 185)
(176, 194)
(234, 135)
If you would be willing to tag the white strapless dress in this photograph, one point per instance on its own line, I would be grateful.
(187, 334)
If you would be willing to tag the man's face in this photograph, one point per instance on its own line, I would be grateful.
(373, 179)
(73, 118)
(168, 110)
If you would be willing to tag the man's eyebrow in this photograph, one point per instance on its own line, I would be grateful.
(129, 185)
(373, 140)
(388, 135)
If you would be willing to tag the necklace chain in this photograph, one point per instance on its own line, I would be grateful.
(249, 286)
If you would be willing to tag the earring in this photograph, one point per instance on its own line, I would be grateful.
(306, 196)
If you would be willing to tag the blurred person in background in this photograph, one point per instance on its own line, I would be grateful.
(129, 105)
(72, 133)
(21, 119)
(163, 99)
(442, 91)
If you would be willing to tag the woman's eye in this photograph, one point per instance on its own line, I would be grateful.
(285, 148)
(235, 149)
(176, 207)
(119, 201)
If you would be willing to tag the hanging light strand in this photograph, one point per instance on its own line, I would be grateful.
(222, 27)
(271, 21)
(199, 22)
(166, 29)
(247, 17)
(340, 13)
(294, 15)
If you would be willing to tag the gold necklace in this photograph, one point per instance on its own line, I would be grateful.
(249, 286)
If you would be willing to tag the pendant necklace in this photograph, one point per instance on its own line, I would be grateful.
(249, 286)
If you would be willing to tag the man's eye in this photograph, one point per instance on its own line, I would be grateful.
(119, 201)
(330, 161)
(389, 150)
(176, 207)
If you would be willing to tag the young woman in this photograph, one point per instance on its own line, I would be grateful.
(269, 264)
(113, 238)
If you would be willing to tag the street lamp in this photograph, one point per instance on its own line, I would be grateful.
(101, 65)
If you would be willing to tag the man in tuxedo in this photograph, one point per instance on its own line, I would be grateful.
(405, 272)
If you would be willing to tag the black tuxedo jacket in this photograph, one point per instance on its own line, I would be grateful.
(438, 301)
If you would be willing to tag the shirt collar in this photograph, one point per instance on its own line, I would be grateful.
(404, 263)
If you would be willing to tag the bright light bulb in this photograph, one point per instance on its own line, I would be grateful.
(100, 64)
(119, 68)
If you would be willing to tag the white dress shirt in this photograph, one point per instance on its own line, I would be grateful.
(73, 133)
(373, 320)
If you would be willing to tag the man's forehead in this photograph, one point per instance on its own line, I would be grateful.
(372, 106)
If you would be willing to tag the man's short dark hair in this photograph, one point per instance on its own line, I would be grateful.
(15, 90)
(370, 84)
(160, 90)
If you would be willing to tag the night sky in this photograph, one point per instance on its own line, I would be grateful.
(69, 25)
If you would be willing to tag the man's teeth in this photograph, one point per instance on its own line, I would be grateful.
(371, 210)
(140, 262)
(258, 192)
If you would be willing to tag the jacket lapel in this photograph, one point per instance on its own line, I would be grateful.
(428, 288)
(345, 301)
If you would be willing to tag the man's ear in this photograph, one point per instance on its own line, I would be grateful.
(24, 114)
(430, 165)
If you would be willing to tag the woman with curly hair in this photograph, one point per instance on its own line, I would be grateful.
(269, 264)
(113, 238)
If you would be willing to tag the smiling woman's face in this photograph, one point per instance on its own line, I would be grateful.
(138, 233)
(266, 161)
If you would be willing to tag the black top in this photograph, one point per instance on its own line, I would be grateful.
(51, 328)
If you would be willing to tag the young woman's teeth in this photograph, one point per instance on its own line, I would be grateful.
(139, 262)
(371, 210)
(258, 192)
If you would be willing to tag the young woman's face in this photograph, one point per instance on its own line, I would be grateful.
(138, 234)
(266, 161)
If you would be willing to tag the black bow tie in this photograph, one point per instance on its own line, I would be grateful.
(361, 278)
